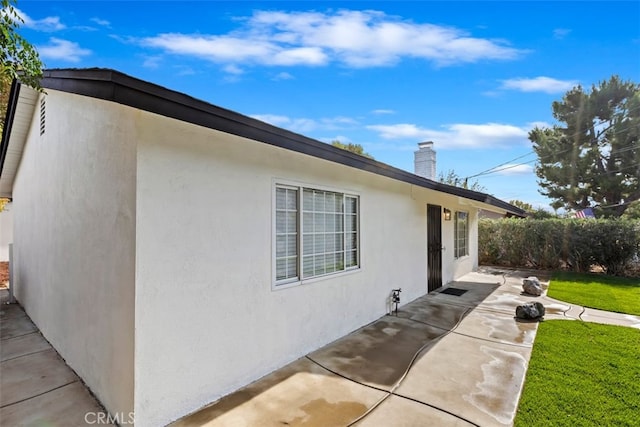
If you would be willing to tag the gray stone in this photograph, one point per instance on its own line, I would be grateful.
(532, 286)
(529, 311)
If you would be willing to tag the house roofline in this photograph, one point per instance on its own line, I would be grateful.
(111, 85)
(14, 91)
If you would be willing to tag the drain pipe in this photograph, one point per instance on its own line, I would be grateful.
(395, 298)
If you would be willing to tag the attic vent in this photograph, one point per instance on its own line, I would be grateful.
(42, 116)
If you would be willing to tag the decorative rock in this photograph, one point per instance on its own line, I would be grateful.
(532, 310)
(531, 286)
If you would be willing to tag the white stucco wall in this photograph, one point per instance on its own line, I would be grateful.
(207, 319)
(6, 231)
(74, 218)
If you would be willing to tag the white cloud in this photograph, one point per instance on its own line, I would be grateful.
(382, 111)
(63, 50)
(152, 62)
(461, 135)
(514, 169)
(352, 38)
(273, 119)
(235, 49)
(48, 24)
(560, 33)
(101, 22)
(303, 125)
(539, 84)
(283, 76)
(233, 69)
(341, 138)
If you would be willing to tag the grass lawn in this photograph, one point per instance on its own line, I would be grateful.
(609, 293)
(582, 374)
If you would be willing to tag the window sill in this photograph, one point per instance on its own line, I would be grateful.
(312, 280)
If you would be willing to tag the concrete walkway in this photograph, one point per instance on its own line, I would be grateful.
(37, 388)
(444, 360)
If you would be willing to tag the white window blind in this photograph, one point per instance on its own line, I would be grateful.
(316, 236)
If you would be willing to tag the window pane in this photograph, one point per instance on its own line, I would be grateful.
(350, 222)
(318, 222)
(330, 222)
(292, 200)
(292, 226)
(281, 246)
(307, 222)
(318, 201)
(351, 258)
(318, 246)
(281, 198)
(352, 241)
(286, 233)
(350, 205)
(330, 202)
(281, 269)
(307, 244)
(308, 200)
(330, 242)
(281, 222)
(318, 267)
(323, 232)
(330, 263)
(292, 243)
(307, 266)
(292, 267)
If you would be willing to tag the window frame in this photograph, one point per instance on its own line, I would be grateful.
(300, 279)
(456, 238)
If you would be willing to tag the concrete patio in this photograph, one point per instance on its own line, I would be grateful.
(443, 360)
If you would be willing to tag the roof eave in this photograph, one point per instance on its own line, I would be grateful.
(118, 87)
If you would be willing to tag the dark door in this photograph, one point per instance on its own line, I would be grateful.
(434, 247)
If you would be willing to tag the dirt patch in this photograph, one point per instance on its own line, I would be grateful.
(4, 273)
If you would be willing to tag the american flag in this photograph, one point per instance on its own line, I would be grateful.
(585, 213)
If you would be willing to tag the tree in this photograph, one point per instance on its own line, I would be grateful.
(452, 178)
(632, 211)
(18, 58)
(593, 157)
(533, 213)
(354, 148)
(522, 205)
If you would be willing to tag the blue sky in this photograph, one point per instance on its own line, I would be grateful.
(474, 77)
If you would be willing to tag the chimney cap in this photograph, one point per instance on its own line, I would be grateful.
(426, 144)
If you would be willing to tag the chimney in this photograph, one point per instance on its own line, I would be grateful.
(424, 160)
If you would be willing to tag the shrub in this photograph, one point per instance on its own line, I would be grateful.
(575, 244)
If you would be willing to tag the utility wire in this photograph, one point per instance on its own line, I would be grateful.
(492, 170)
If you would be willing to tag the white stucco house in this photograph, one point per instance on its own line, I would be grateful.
(160, 240)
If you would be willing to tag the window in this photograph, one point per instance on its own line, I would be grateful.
(286, 233)
(461, 235)
(316, 235)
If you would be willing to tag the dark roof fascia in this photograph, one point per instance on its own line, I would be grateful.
(14, 94)
(118, 87)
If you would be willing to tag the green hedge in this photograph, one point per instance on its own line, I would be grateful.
(574, 244)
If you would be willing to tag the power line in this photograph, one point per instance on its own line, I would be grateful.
(497, 168)
(494, 169)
